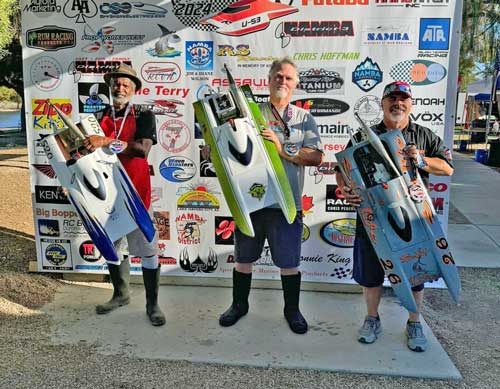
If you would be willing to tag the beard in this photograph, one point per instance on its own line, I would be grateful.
(281, 93)
(120, 99)
(397, 115)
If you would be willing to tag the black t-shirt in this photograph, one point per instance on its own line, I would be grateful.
(423, 138)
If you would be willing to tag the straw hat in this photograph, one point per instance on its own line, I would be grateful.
(123, 71)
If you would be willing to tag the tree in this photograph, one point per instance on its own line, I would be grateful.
(480, 38)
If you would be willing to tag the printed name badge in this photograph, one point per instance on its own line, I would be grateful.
(117, 146)
(291, 149)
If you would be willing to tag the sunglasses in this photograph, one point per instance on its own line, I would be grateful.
(397, 88)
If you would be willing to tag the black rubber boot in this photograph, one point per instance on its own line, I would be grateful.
(151, 279)
(291, 293)
(120, 275)
(239, 307)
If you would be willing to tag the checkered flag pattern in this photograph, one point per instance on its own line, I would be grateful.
(341, 272)
(180, 11)
(401, 71)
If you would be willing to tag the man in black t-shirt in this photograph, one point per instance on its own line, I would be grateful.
(430, 155)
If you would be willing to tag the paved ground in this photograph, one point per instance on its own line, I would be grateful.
(31, 357)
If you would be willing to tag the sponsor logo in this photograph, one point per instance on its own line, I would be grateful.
(337, 259)
(334, 2)
(55, 253)
(333, 130)
(84, 66)
(209, 265)
(322, 106)
(161, 72)
(257, 191)
(51, 38)
(307, 204)
(177, 169)
(49, 195)
(224, 230)
(162, 222)
(438, 203)
(199, 55)
(73, 227)
(93, 97)
(46, 169)
(418, 72)
(89, 252)
(425, 101)
(369, 108)
(131, 10)
(45, 117)
(46, 73)
(387, 32)
(41, 7)
(189, 12)
(188, 228)
(326, 168)
(333, 146)
(341, 272)
(260, 84)
(80, 10)
(174, 136)
(106, 40)
(240, 50)
(197, 197)
(434, 38)
(306, 232)
(432, 118)
(335, 201)
(207, 168)
(242, 18)
(438, 187)
(326, 56)
(48, 227)
(322, 81)
(339, 233)
(434, 34)
(260, 99)
(55, 212)
(167, 260)
(160, 90)
(167, 107)
(285, 31)
(411, 3)
(165, 46)
(367, 75)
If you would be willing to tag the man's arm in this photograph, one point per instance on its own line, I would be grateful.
(434, 165)
(351, 197)
(138, 148)
(305, 157)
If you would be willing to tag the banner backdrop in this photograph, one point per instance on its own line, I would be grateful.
(346, 51)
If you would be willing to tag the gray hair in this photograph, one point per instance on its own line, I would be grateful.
(112, 81)
(278, 63)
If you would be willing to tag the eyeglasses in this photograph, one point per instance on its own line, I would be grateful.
(397, 87)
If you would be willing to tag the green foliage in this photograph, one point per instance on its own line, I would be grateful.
(480, 38)
(8, 29)
(9, 94)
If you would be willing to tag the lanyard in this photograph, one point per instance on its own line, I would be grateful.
(278, 117)
(127, 111)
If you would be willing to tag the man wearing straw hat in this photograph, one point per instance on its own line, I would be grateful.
(131, 132)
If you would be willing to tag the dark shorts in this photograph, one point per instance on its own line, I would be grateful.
(367, 270)
(284, 239)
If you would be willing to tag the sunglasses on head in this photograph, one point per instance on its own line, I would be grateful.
(397, 88)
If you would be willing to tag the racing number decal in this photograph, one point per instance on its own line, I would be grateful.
(394, 278)
(442, 243)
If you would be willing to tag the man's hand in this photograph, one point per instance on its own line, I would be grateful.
(411, 152)
(271, 136)
(350, 196)
(205, 152)
(93, 142)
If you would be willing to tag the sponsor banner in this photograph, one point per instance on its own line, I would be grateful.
(345, 52)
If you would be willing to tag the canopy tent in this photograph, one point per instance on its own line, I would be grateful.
(483, 87)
